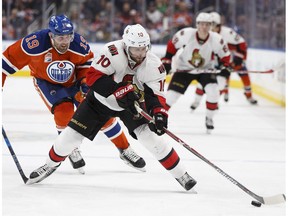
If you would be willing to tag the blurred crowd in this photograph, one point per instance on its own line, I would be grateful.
(104, 20)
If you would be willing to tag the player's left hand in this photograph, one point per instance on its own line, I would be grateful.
(225, 71)
(160, 116)
(83, 89)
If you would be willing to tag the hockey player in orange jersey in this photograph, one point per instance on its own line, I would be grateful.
(58, 59)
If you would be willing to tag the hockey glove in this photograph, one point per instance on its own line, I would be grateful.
(225, 71)
(238, 64)
(160, 116)
(83, 89)
(167, 64)
(126, 96)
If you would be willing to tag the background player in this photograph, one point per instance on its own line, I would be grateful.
(129, 59)
(196, 49)
(238, 48)
(59, 59)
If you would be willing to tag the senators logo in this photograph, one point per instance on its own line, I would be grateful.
(197, 60)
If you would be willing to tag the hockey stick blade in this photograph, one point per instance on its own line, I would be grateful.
(250, 71)
(25, 179)
(214, 71)
(264, 200)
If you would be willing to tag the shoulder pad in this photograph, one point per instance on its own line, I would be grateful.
(36, 43)
(79, 44)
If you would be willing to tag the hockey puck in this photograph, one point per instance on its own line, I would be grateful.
(255, 203)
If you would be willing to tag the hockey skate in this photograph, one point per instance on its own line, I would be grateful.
(252, 101)
(41, 173)
(186, 181)
(194, 105)
(77, 161)
(209, 124)
(226, 97)
(132, 159)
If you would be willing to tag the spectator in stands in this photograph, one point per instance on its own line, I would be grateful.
(7, 30)
(153, 14)
(182, 18)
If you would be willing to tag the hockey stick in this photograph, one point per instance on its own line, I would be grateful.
(264, 200)
(249, 71)
(214, 71)
(25, 179)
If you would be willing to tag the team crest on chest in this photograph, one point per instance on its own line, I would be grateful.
(60, 71)
(197, 60)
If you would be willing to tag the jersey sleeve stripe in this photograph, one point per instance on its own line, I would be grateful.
(8, 67)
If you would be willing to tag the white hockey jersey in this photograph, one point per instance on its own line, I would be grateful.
(236, 43)
(193, 56)
(113, 61)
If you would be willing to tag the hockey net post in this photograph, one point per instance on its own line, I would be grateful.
(276, 199)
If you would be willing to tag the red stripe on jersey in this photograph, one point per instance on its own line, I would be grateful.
(242, 48)
(54, 157)
(171, 48)
(171, 160)
(93, 75)
(162, 101)
(3, 79)
(199, 91)
(167, 107)
(232, 47)
(239, 48)
(211, 106)
(225, 60)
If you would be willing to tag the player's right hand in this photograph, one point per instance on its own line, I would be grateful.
(126, 96)
(167, 64)
(160, 116)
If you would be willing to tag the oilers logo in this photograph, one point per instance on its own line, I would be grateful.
(60, 71)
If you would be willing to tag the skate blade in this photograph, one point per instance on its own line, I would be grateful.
(192, 191)
(34, 181)
(209, 131)
(81, 170)
(31, 181)
(137, 168)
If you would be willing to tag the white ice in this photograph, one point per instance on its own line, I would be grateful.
(248, 143)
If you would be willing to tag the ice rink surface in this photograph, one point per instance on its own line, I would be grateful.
(248, 143)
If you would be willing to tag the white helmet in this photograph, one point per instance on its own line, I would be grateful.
(216, 18)
(136, 36)
(203, 17)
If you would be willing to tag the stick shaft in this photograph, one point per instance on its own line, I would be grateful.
(274, 200)
(25, 179)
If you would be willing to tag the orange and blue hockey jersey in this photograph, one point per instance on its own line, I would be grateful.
(36, 51)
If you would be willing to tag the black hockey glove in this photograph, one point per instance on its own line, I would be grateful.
(237, 61)
(160, 116)
(225, 71)
(167, 64)
(126, 96)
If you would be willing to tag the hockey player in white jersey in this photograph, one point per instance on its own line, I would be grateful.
(238, 49)
(124, 73)
(196, 50)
